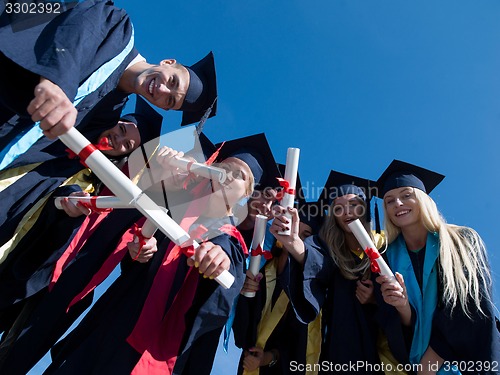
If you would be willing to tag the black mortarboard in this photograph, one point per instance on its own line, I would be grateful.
(202, 91)
(148, 121)
(311, 213)
(207, 146)
(400, 174)
(339, 184)
(255, 151)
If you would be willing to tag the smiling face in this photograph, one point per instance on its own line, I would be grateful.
(346, 209)
(124, 138)
(402, 207)
(164, 85)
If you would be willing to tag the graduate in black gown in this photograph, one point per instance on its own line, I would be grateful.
(56, 69)
(280, 338)
(28, 259)
(55, 165)
(123, 334)
(443, 287)
(329, 272)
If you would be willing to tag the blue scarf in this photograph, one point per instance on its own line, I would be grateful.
(424, 302)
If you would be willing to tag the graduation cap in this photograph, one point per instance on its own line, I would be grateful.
(202, 91)
(311, 213)
(401, 174)
(148, 121)
(339, 184)
(207, 147)
(255, 151)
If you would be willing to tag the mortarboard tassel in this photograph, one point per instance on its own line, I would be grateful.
(377, 219)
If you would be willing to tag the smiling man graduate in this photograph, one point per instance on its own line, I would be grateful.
(57, 70)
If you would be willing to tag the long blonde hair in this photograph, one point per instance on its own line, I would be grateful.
(334, 238)
(465, 271)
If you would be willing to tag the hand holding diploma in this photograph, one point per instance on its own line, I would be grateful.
(143, 247)
(378, 263)
(129, 193)
(259, 234)
(199, 169)
(95, 203)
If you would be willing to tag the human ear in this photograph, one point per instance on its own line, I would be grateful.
(168, 62)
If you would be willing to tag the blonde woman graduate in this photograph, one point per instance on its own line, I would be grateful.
(443, 284)
(328, 272)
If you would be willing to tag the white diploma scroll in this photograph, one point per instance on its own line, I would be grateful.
(200, 169)
(259, 235)
(100, 202)
(149, 228)
(369, 247)
(129, 193)
(291, 169)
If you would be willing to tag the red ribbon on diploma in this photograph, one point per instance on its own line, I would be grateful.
(92, 206)
(103, 145)
(141, 239)
(258, 251)
(286, 188)
(373, 255)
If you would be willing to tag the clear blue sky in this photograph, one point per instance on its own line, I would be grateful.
(353, 84)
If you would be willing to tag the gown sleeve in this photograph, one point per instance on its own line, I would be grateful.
(307, 285)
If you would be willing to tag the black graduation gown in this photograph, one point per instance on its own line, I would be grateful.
(399, 337)
(473, 343)
(49, 319)
(289, 336)
(17, 199)
(28, 268)
(102, 334)
(349, 331)
(66, 49)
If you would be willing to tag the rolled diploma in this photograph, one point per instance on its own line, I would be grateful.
(259, 234)
(365, 241)
(99, 202)
(200, 169)
(291, 169)
(127, 191)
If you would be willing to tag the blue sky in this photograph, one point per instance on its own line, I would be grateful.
(353, 84)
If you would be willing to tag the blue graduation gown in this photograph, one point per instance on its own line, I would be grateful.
(349, 330)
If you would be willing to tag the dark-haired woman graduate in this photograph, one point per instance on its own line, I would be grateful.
(163, 316)
(329, 272)
(45, 232)
(443, 289)
(282, 342)
(265, 325)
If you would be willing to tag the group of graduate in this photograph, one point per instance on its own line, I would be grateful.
(318, 304)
